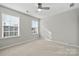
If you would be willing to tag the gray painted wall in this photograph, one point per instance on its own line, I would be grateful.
(25, 28)
(64, 26)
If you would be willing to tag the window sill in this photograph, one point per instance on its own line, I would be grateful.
(10, 37)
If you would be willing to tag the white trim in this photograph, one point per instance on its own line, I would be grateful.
(11, 36)
(15, 44)
(63, 43)
(7, 31)
(67, 44)
(2, 25)
(19, 27)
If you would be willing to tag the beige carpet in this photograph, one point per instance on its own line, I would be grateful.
(39, 48)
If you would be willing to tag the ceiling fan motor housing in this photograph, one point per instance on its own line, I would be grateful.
(40, 6)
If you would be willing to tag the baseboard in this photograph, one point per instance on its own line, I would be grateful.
(66, 44)
(63, 43)
(15, 44)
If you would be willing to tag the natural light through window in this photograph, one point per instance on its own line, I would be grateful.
(10, 26)
(35, 27)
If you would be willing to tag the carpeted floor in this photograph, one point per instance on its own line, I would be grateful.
(40, 48)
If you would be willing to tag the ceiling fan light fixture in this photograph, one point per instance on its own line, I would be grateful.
(39, 9)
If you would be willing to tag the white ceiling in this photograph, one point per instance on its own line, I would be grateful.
(32, 8)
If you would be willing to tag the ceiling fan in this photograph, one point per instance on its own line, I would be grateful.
(40, 7)
(72, 5)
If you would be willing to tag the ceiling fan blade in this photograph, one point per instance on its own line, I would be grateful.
(72, 4)
(46, 8)
(40, 7)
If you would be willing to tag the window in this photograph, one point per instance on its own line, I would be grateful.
(10, 26)
(35, 27)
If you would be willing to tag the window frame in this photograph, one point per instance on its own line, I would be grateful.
(9, 31)
(36, 25)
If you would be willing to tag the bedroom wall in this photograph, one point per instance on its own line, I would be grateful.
(25, 27)
(63, 27)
